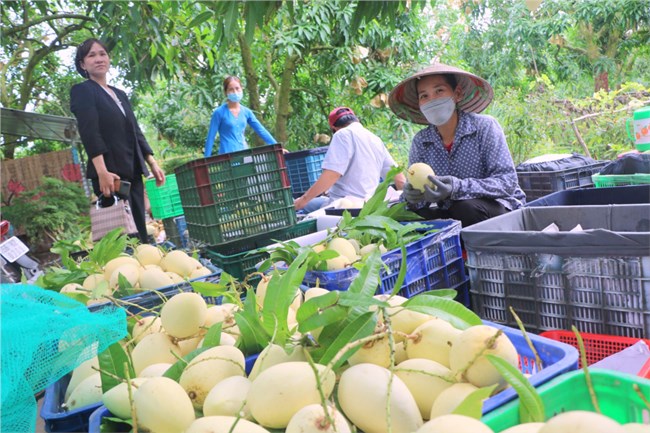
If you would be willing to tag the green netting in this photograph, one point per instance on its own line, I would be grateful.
(45, 335)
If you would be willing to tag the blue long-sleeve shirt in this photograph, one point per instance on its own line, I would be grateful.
(479, 161)
(231, 130)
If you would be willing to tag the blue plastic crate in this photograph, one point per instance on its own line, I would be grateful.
(57, 420)
(433, 262)
(90, 417)
(557, 358)
(149, 299)
(304, 168)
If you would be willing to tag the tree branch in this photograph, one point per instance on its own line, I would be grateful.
(269, 72)
(20, 28)
(39, 55)
(587, 116)
(576, 50)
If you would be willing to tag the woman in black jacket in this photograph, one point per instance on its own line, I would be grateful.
(110, 133)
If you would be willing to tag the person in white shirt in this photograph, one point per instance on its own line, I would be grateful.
(353, 165)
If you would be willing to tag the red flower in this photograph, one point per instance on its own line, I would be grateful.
(71, 172)
(15, 187)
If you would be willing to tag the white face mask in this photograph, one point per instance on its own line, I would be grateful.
(438, 111)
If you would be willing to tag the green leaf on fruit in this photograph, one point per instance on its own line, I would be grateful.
(111, 424)
(367, 281)
(253, 336)
(531, 406)
(441, 293)
(453, 312)
(114, 361)
(317, 312)
(79, 297)
(174, 372)
(209, 289)
(361, 327)
(213, 336)
(351, 299)
(109, 247)
(472, 405)
(280, 293)
(401, 276)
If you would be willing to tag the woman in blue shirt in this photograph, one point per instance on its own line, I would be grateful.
(230, 121)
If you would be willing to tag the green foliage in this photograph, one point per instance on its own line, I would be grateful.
(174, 56)
(537, 120)
(377, 223)
(54, 210)
(109, 247)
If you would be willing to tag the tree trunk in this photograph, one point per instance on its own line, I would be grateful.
(601, 81)
(251, 82)
(283, 106)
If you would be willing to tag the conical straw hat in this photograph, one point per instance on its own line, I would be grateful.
(476, 93)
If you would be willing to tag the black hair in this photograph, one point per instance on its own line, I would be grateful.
(345, 120)
(451, 79)
(82, 52)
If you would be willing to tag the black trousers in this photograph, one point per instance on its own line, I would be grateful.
(136, 202)
(468, 212)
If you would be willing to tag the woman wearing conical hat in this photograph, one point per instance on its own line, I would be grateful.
(475, 175)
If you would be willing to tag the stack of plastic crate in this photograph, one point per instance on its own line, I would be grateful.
(239, 259)
(236, 196)
(596, 278)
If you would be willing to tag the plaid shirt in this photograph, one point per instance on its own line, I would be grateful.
(479, 162)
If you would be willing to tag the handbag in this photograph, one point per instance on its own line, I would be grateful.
(105, 219)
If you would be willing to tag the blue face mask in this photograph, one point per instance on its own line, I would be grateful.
(235, 97)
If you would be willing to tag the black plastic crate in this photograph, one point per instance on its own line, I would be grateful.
(635, 194)
(537, 184)
(597, 279)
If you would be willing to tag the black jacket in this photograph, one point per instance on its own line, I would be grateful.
(104, 130)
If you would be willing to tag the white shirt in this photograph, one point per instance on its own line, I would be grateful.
(114, 98)
(361, 159)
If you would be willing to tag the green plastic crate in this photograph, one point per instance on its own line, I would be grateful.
(605, 180)
(239, 259)
(165, 200)
(236, 196)
(613, 390)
